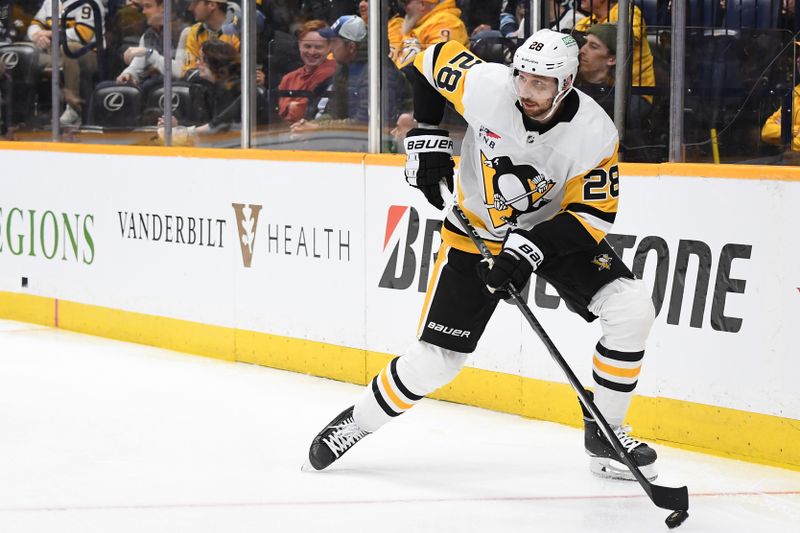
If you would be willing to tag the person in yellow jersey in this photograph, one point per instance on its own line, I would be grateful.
(210, 16)
(642, 72)
(771, 131)
(539, 181)
(394, 31)
(428, 22)
(394, 24)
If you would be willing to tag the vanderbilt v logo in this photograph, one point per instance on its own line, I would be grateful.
(247, 224)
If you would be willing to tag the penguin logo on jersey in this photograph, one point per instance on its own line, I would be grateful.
(512, 190)
(602, 262)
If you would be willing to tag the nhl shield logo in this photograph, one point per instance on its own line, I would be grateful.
(602, 262)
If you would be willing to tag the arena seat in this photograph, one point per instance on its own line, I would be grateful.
(22, 65)
(115, 106)
(188, 104)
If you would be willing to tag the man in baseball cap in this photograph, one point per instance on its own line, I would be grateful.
(348, 103)
(598, 55)
(350, 27)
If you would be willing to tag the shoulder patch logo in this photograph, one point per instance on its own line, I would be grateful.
(602, 262)
(489, 133)
(489, 137)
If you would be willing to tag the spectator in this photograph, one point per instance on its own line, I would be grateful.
(147, 59)
(598, 55)
(597, 61)
(124, 30)
(771, 132)
(596, 77)
(394, 14)
(565, 14)
(218, 67)
(350, 88)
(394, 28)
(210, 16)
(428, 22)
(80, 33)
(512, 16)
(315, 74)
(363, 11)
(608, 11)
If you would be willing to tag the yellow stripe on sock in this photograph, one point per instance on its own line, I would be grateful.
(394, 397)
(616, 371)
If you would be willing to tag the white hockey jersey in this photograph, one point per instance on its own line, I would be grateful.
(515, 173)
(81, 25)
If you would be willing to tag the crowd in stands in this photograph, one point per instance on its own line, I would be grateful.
(311, 62)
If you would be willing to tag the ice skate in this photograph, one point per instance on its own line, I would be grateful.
(604, 460)
(333, 441)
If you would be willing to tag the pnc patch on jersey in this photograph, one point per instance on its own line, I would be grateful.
(602, 262)
(489, 133)
(489, 137)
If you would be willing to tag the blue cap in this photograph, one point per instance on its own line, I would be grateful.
(350, 27)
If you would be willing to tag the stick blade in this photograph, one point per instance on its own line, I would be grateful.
(672, 498)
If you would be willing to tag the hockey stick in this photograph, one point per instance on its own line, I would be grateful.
(673, 498)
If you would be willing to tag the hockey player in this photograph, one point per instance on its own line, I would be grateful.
(539, 182)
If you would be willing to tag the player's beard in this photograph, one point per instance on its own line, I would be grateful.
(410, 22)
(536, 110)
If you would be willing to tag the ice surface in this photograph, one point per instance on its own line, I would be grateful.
(110, 437)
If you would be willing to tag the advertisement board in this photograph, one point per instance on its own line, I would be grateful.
(340, 253)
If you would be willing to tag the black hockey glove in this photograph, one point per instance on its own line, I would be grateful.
(515, 264)
(429, 160)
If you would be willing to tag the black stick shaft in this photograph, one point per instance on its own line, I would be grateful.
(664, 497)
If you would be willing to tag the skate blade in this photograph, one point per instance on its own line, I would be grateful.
(611, 469)
(308, 468)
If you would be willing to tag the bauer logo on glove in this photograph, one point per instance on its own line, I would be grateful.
(429, 142)
(429, 161)
(514, 265)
